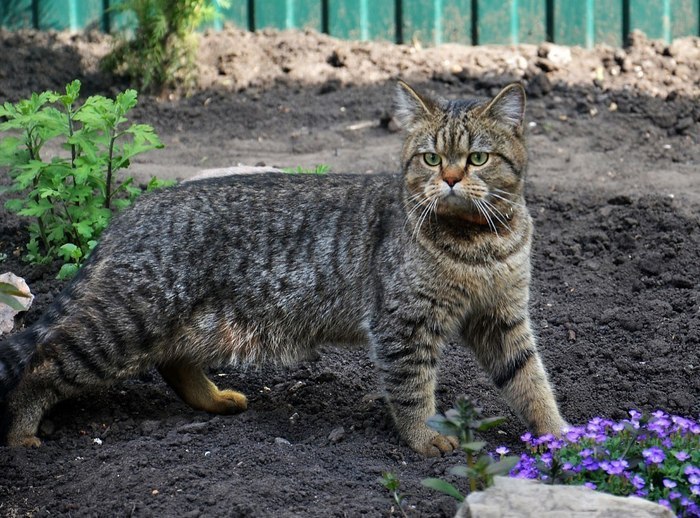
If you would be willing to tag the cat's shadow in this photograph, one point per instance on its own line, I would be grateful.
(300, 403)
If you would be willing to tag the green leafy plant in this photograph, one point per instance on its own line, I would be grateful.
(70, 197)
(656, 457)
(162, 52)
(319, 169)
(463, 422)
(392, 483)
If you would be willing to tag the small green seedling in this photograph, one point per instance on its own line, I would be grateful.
(463, 422)
(319, 169)
(391, 482)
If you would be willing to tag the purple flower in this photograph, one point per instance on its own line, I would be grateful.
(681, 456)
(665, 503)
(691, 470)
(666, 443)
(660, 427)
(638, 482)
(653, 455)
(545, 439)
(681, 422)
(590, 485)
(674, 495)
(615, 467)
(574, 433)
(556, 444)
(618, 427)
(585, 453)
(526, 437)
(695, 490)
(659, 414)
(590, 464)
(567, 466)
(669, 483)
(526, 467)
(694, 479)
(547, 459)
(635, 415)
(641, 493)
(502, 450)
(601, 437)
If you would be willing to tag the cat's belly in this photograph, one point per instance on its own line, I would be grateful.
(214, 336)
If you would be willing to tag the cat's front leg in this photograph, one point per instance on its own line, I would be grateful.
(407, 359)
(505, 347)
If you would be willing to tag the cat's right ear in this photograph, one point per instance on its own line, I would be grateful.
(410, 107)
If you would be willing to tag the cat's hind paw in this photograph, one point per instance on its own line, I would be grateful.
(229, 402)
(30, 441)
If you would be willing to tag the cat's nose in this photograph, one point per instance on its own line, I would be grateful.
(452, 175)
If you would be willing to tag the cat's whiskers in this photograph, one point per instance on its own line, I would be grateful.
(413, 197)
(424, 202)
(507, 200)
(497, 213)
(431, 207)
(502, 219)
(482, 210)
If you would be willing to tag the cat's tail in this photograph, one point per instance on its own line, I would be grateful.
(15, 353)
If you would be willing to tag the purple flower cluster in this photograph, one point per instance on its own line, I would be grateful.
(657, 458)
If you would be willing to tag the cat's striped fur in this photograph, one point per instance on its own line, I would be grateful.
(267, 267)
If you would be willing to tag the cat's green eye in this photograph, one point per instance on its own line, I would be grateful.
(432, 159)
(478, 158)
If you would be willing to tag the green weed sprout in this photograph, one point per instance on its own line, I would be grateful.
(463, 422)
(391, 482)
(318, 169)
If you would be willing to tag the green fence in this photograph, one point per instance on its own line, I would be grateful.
(569, 22)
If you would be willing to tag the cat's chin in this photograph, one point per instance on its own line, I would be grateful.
(454, 208)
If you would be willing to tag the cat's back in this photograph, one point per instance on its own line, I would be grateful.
(254, 202)
(283, 231)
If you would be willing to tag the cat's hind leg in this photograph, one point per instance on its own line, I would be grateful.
(42, 386)
(189, 382)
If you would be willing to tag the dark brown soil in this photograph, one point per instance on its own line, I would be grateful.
(615, 191)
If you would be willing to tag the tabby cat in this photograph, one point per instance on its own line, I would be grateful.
(249, 269)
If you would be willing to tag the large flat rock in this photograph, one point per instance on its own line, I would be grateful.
(521, 498)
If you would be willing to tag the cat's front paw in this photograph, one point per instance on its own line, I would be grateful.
(555, 426)
(432, 444)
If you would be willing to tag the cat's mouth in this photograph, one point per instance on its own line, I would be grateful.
(470, 210)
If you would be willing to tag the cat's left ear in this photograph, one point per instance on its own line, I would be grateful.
(508, 107)
(410, 106)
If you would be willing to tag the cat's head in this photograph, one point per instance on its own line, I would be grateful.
(464, 160)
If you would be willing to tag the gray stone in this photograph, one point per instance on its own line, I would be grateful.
(337, 435)
(7, 314)
(513, 497)
(557, 55)
(228, 171)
